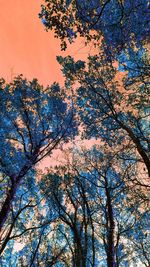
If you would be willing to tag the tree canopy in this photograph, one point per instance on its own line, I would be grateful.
(92, 207)
(119, 22)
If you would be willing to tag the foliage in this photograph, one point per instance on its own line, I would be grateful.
(119, 22)
(114, 111)
(33, 122)
(92, 209)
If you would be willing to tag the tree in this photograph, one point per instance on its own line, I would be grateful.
(117, 213)
(68, 199)
(33, 122)
(100, 100)
(119, 22)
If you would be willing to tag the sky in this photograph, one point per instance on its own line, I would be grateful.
(26, 48)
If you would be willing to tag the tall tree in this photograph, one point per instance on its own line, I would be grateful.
(33, 122)
(68, 199)
(114, 111)
(117, 213)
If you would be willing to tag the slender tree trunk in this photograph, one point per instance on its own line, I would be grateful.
(16, 180)
(7, 204)
(80, 260)
(6, 207)
(111, 261)
(138, 145)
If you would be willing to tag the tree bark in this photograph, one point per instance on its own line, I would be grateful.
(6, 207)
(111, 261)
(138, 145)
(7, 204)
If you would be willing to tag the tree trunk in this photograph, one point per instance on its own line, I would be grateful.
(111, 261)
(80, 260)
(6, 207)
(137, 143)
(7, 204)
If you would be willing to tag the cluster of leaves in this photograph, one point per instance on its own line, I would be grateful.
(119, 22)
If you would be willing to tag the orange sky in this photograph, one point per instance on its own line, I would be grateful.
(25, 47)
